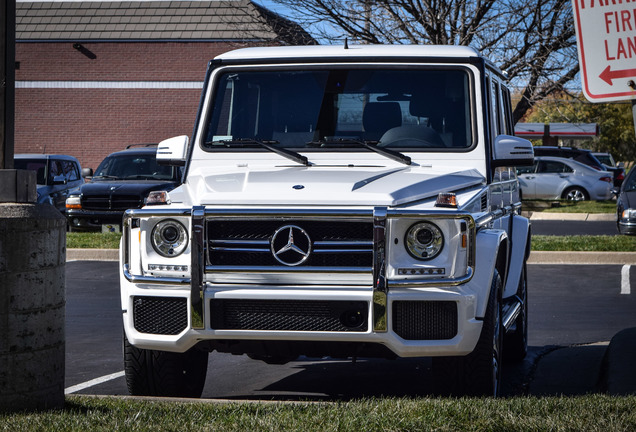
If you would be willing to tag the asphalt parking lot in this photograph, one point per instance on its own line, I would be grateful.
(574, 312)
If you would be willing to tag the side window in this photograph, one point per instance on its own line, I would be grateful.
(553, 167)
(496, 112)
(527, 169)
(70, 170)
(507, 111)
(55, 169)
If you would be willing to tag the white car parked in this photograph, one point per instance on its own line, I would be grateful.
(561, 178)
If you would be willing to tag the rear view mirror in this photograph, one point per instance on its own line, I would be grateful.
(173, 151)
(512, 151)
(87, 172)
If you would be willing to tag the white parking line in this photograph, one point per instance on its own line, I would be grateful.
(93, 382)
(625, 286)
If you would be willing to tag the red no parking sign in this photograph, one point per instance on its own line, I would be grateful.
(606, 36)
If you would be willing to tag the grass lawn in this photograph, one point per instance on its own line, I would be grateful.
(587, 413)
(564, 206)
(618, 243)
(92, 240)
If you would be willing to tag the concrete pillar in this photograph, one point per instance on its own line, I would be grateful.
(32, 306)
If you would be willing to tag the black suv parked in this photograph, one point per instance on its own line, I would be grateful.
(122, 181)
(580, 155)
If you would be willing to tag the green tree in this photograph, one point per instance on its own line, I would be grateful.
(534, 42)
(614, 119)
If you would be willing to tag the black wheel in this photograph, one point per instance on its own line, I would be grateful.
(162, 373)
(516, 341)
(575, 193)
(478, 373)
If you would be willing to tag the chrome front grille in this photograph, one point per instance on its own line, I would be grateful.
(268, 243)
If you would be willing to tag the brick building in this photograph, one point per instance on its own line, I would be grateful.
(93, 77)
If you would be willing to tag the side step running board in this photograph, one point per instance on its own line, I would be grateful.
(510, 311)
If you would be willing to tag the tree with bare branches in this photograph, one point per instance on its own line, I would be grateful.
(533, 42)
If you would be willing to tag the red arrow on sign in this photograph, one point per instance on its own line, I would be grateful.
(608, 75)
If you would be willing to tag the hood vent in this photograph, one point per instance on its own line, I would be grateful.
(484, 202)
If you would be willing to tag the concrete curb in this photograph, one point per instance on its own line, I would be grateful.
(588, 258)
(92, 255)
(591, 217)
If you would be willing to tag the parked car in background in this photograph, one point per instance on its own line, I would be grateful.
(122, 181)
(626, 205)
(605, 158)
(56, 175)
(581, 155)
(560, 178)
(610, 165)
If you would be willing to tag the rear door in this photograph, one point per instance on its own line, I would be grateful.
(551, 179)
(527, 176)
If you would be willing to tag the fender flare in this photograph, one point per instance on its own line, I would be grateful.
(491, 244)
(520, 240)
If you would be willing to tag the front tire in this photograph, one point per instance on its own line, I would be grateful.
(576, 194)
(162, 373)
(478, 373)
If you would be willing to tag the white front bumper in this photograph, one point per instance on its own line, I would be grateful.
(468, 326)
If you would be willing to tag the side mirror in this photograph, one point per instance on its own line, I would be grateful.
(59, 180)
(512, 151)
(87, 172)
(173, 151)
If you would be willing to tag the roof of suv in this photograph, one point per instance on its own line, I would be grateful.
(43, 156)
(581, 155)
(141, 149)
(335, 51)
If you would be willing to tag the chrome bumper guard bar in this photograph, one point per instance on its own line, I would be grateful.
(381, 285)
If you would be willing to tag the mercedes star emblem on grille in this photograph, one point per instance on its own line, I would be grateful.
(291, 245)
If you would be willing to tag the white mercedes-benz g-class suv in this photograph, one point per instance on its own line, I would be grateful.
(343, 201)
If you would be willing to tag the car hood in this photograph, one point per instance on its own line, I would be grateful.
(125, 187)
(329, 186)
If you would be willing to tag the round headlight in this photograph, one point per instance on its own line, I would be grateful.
(424, 240)
(169, 238)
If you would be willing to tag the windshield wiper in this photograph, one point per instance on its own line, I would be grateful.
(371, 145)
(296, 157)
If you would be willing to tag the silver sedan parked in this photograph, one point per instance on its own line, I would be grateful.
(561, 178)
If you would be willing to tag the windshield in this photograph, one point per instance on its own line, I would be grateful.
(410, 109)
(605, 159)
(630, 182)
(133, 167)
